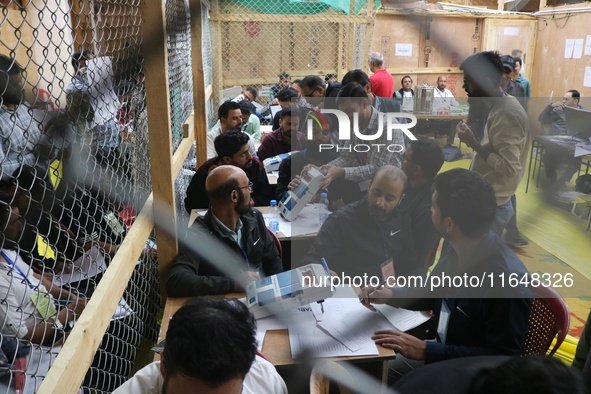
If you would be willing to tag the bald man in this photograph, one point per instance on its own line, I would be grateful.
(228, 246)
(443, 97)
(370, 236)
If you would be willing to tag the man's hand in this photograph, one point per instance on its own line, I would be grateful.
(466, 135)
(77, 305)
(558, 104)
(295, 182)
(369, 295)
(410, 347)
(332, 173)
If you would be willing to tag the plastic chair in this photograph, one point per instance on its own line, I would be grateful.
(549, 318)
(320, 384)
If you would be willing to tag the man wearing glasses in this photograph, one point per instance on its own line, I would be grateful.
(227, 247)
(314, 91)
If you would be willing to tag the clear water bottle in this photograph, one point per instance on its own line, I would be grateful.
(323, 208)
(274, 217)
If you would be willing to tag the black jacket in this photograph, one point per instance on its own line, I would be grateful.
(195, 271)
(353, 243)
(262, 193)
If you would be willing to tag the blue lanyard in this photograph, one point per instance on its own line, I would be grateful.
(21, 273)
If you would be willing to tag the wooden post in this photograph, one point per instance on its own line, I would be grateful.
(501, 5)
(160, 136)
(217, 55)
(198, 82)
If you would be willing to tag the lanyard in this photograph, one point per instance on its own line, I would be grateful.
(21, 273)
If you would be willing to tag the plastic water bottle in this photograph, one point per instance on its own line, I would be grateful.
(323, 208)
(274, 217)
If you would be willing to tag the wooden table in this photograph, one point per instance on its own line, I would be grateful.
(276, 344)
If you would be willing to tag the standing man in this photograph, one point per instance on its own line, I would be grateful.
(231, 235)
(381, 104)
(382, 82)
(501, 156)
(443, 96)
(230, 118)
(314, 91)
(510, 86)
(520, 78)
(286, 138)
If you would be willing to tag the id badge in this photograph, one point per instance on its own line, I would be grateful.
(387, 268)
(44, 304)
(443, 322)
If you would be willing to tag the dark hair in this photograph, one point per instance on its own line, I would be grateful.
(230, 142)
(284, 75)
(9, 65)
(80, 55)
(222, 192)
(289, 111)
(518, 60)
(246, 107)
(297, 82)
(352, 89)
(312, 82)
(428, 155)
(403, 78)
(467, 198)
(226, 107)
(212, 340)
(356, 76)
(287, 94)
(575, 94)
(252, 91)
(537, 373)
(487, 64)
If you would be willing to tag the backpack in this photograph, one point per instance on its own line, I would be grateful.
(451, 153)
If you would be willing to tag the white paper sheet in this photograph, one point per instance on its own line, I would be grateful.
(578, 48)
(86, 266)
(306, 222)
(581, 150)
(403, 50)
(104, 100)
(402, 319)
(569, 46)
(511, 31)
(588, 46)
(587, 77)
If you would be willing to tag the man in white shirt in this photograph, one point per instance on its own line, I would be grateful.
(210, 348)
(443, 97)
(230, 116)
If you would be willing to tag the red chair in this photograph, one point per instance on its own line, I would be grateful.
(549, 318)
(277, 243)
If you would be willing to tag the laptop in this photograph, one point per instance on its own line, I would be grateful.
(578, 123)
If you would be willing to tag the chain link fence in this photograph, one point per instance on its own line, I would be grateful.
(74, 173)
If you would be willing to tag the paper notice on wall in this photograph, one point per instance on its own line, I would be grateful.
(403, 49)
(578, 48)
(511, 31)
(587, 77)
(588, 46)
(568, 48)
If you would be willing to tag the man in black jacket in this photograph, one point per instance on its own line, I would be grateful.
(229, 246)
(382, 104)
(369, 237)
(232, 148)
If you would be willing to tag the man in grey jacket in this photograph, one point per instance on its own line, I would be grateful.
(229, 246)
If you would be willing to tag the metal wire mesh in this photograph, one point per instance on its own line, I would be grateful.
(74, 173)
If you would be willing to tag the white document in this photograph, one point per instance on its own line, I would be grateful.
(578, 48)
(86, 266)
(569, 46)
(588, 46)
(306, 222)
(274, 109)
(403, 50)
(123, 310)
(511, 31)
(587, 77)
(104, 100)
(402, 319)
(581, 150)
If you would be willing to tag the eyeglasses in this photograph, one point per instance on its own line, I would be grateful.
(249, 186)
(311, 93)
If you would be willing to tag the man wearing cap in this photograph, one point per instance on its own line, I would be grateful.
(511, 87)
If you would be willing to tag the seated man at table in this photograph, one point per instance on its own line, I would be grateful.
(289, 97)
(553, 117)
(360, 166)
(422, 161)
(443, 97)
(230, 232)
(286, 138)
(230, 117)
(360, 237)
(232, 149)
(251, 124)
(471, 320)
(340, 192)
(210, 348)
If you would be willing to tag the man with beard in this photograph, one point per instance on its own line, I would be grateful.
(443, 97)
(501, 155)
(369, 237)
(282, 140)
(232, 148)
(232, 227)
(230, 118)
(471, 320)
(210, 348)
(19, 132)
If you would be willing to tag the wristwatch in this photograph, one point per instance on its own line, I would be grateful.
(58, 325)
